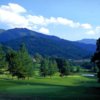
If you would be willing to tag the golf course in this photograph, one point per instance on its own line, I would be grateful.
(72, 87)
(49, 50)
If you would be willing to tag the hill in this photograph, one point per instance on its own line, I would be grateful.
(45, 44)
(88, 41)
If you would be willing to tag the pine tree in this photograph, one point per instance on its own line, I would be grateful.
(20, 63)
(64, 66)
(52, 67)
(3, 63)
(26, 61)
(14, 62)
(44, 67)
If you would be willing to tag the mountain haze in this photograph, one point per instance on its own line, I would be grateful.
(88, 41)
(2, 30)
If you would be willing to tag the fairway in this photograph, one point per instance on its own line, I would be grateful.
(71, 87)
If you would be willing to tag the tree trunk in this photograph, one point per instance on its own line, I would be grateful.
(98, 76)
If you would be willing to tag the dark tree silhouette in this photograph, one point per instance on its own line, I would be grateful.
(96, 58)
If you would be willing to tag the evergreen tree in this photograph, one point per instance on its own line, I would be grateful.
(52, 67)
(26, 62)
(3, 63)
(20, 63)
(64, 66)
(14, 62)
(78, 69)
(44, 67)
(37, 61)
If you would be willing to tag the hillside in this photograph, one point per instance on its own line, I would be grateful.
(45, 44)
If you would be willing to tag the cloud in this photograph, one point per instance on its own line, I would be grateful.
(51, 20)
(12, 7)
(38, 20)
(91, 32)
(94, 31)
(11, 16)
(64, 21)
(98, 29)
(14, 15)
(86, 26)
(67, 22)
(44, 30)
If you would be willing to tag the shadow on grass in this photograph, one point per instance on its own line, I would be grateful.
(57, 92)
(38, 97)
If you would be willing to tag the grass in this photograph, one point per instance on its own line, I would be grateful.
(67, 88)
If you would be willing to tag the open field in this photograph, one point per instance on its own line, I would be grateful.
(55, 88)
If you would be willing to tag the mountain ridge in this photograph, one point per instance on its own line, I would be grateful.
(45, 44)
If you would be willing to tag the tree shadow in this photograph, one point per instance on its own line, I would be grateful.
(80, 92)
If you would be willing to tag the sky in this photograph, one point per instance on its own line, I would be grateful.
(67, 19)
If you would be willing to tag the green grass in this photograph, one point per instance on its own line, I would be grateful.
(56, 88)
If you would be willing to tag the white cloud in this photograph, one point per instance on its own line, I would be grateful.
(94, 31)
(14, 15)
(11, 16)
(44, 30)
(64, 21)
(50, 20)
(38, 20)
(12, 7)
(98, 29)
(67, 22)
(86, 26)
(91, 32)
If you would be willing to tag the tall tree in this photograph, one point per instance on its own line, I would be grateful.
(3, 63)
(64, 66)
(14, 62)
(96, 58)
(20, 63)
(52, 67)
(44, 67)
(26, 61)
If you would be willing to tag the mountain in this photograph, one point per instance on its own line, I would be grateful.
(88, 41)
(12, 34)
(45, 44)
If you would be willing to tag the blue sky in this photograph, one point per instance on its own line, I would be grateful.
(68, 19)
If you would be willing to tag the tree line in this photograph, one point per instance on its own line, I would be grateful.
(21, 64)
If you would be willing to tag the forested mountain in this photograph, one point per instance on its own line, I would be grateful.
(45, 44)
